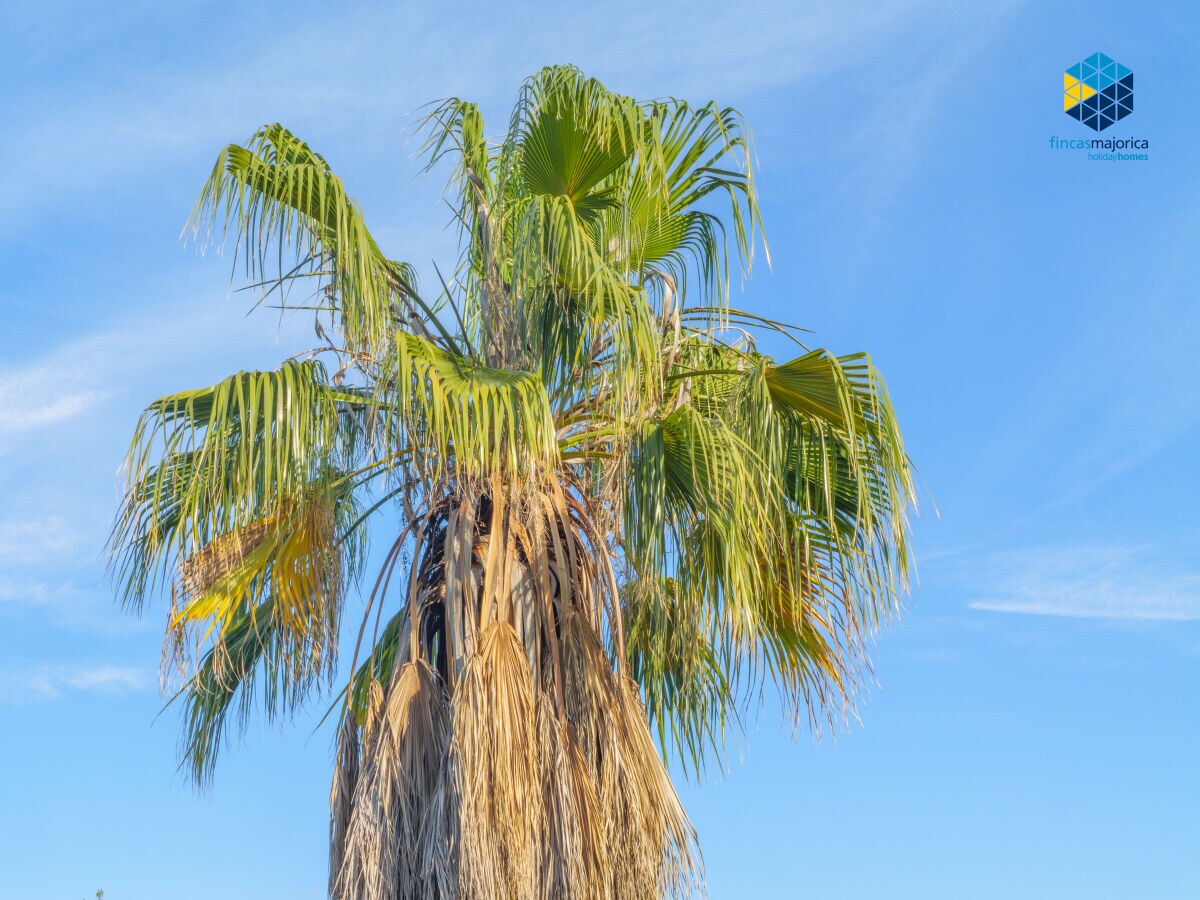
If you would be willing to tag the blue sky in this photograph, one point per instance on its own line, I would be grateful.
(1034, 728)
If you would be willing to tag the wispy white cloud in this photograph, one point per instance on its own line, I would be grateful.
(64, 603)
(1115, 395)
(26, 541)
(70, 380)
(110, 129)
(35, 683)
(1088, 581)
(44, 393)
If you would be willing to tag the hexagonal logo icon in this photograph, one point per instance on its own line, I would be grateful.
(1098, 91)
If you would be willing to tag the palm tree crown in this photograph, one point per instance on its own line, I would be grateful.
(607, 516)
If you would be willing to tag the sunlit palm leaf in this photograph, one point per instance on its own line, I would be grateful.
(458, 414)
(280, 195)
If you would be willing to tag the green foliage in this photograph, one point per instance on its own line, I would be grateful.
(577, 428)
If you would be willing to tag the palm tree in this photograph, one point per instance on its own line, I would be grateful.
(608, 520)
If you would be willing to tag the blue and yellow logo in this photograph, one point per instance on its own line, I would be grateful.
(1098, 91)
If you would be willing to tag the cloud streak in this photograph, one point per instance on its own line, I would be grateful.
(65, 604)
(44, 393)
(27, 541)
(40, 683)
(76, 377)
(1090, 582)
(185, 111)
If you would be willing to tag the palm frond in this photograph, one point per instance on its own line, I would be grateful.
(457, 415)
(206, 463)
(277, 194)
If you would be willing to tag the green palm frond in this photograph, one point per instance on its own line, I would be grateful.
(845, 461)
(277, 194)
(224, 684)
(237, 498)
(207, 462)
(705, 150)
(684, 678)
(457, 414)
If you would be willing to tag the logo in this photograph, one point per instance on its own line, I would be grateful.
(1098, 91)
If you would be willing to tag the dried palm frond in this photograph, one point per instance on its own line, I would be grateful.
(391, 847)
(497, 770)
(222, 556)
(341, 795)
